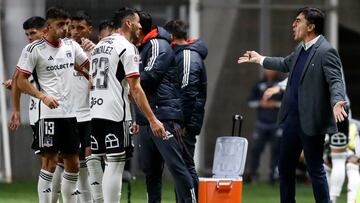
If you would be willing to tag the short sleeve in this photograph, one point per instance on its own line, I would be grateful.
(131, 60)
(81, 58)
(27, 60)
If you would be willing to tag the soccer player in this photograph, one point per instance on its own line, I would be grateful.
(51, 61)
(105, 29)
(80, 29)
(34, 28)
(115, 71)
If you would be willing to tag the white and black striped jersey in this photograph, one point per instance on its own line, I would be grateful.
(80, 98)
(53, 67)
(113, 59)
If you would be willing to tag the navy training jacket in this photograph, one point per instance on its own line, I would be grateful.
(159, 77)
(190, 61)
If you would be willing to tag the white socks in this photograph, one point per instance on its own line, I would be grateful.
(337, 176)
(44, 186)
(56, 183)
(95, 177)
(353, 181)
(112, 179)
(83, 184)
(68, 187)
(328, 173)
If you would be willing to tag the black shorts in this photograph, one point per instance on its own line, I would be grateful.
(59, 135)
(111, 138)
(35, 142)
(84, 129)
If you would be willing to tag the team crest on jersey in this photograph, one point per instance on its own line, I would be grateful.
(48, 141)
(68, 54)
(137, 59)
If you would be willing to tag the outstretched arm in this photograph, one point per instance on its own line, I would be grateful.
(139, 96)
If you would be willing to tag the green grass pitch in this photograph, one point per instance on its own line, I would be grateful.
(25, 192)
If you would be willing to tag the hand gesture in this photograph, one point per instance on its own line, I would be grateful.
(50, 101)
(14, 122)
(7, 84)
(87, 45)
(339, 111)
(269, 92)
(250, 57)
(158, 128)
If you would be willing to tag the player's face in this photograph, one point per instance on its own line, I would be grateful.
(135, 29)
(80, 29)
(104, 33)
(58, 28)
(33, 34)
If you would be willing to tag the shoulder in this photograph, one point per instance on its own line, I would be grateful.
(35, 45)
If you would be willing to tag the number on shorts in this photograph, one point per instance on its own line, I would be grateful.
(49, 128)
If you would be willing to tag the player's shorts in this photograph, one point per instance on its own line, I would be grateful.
(35, 142)
(111, 138)
(59, 135)
(84, 129)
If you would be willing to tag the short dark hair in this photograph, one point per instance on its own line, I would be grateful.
(121, 14)
(314, 16)
(35, 22)
(145, 21)
(105, 24)
(82, 15)
(57, 13)
(177, 28)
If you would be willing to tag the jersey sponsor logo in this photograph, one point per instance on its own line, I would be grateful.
(96, 101)
(59, 67)
(50, 58)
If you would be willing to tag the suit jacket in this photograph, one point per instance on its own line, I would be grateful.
(321, 87)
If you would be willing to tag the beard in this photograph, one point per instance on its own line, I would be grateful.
(134, 37)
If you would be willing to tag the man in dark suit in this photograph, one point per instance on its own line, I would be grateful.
(314, 101)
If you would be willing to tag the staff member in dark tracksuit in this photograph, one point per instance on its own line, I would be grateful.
(189, 56)
(159, 79)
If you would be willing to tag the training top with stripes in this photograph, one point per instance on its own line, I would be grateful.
(113, 60)
(52, 66)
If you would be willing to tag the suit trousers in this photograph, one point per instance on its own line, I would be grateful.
(292, 143)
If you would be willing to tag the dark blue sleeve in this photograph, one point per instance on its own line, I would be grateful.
(160, 57)
(193, 91)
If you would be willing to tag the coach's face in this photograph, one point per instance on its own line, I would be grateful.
(301, 28)
(135, 29)
(58, 28)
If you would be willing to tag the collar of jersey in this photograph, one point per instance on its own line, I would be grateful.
(52, 44)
